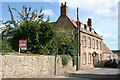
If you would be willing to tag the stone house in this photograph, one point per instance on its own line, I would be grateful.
(93, 49)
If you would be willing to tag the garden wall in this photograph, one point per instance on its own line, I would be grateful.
(33, 66)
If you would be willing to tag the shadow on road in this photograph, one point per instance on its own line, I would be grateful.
(96, 76)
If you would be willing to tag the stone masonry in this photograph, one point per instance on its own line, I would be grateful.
(33, 66)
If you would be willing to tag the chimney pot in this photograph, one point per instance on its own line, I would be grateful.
(61, 4)
(65, 3)
(89, 22)
(63, 9)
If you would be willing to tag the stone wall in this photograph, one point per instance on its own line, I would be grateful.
(33, 66)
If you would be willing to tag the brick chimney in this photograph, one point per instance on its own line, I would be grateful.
(89, 22)
(63, 9)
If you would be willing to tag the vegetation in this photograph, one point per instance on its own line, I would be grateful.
(66, 45)
(41, 36)
(23, 16)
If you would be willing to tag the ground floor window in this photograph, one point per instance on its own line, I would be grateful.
(97, 58)
(108, 57)
(89, 57)
(84, 58)
(100, 57)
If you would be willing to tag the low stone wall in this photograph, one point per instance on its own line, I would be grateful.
(33, 66)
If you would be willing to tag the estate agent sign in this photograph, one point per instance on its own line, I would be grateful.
(22, 45)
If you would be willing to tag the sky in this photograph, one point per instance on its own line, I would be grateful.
(104, 14)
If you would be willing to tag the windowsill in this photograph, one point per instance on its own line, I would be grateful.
(84, 46)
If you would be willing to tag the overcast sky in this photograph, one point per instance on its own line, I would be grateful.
(104, 14)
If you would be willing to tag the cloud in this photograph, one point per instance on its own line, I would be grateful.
(116, 36)
(106, 9)
(48, 12)
(105, 35)
(113, 43)
(105, 42)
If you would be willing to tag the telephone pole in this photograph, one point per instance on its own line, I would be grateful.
(78, 38)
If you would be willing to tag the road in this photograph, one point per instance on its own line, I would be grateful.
(90, 74)
(94, 74)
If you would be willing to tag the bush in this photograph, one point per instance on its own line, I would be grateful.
(6, 48)
(39, 37)
(65, 59)
(66, 42)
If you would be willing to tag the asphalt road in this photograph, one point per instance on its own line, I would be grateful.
(90, 74)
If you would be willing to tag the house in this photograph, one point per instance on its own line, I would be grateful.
(92, 50)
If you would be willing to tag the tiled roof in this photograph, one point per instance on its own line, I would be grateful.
(105, 48)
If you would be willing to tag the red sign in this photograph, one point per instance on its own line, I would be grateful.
(22, 44)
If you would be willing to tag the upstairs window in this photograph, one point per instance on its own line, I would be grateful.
(93, 43)
(84, 41)
(100, 45)
(89, 42)
(97, 44)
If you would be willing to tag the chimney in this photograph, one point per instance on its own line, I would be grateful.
(89, 22)
(63, 9)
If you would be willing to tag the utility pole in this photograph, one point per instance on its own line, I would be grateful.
(78, 38)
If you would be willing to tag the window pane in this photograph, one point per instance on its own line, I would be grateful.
(100, 45)
(84, 41)
(97, 44)
(89, 58)
(93, 43)
(84, 58)
(89, 42)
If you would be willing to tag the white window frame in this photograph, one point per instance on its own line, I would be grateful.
(100, 45)
(93, 43)
(89, 58)
(97, 58)
(84, 58)
(97, 44)
(100, 57)
(84, 41)
(89, 42)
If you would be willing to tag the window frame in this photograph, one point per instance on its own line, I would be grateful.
(89, 42)
(93, 44)
(84, 58)
(96, 44)
(84, 41)
(89, 58)
(100, 45)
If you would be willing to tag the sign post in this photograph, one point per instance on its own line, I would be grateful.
(22, 45)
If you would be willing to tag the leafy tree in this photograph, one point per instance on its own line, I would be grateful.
(25, 15)
(66, 43)
(39, 37)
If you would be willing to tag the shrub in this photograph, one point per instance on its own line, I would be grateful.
(6, 48)
(65, 59)
(39, 37)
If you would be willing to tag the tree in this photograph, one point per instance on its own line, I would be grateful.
(25, 15)
(39, 36)
(66, 46)
(66, 42)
